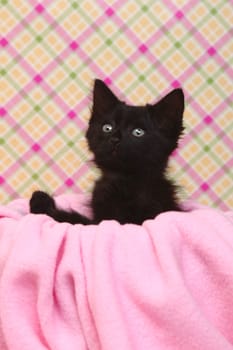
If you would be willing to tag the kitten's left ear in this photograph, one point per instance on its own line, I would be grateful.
(104, 99)
(168, 113)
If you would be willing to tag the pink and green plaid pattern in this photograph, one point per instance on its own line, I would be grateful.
(52, 50)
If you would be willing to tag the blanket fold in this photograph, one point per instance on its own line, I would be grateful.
(167, 284)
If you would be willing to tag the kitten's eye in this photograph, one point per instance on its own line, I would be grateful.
(138, 132)
(107, 128)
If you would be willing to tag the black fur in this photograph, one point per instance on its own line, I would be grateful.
(133, 185)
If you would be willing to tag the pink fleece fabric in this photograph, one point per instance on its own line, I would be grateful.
(165, 285)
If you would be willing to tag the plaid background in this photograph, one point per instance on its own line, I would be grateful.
(50, 53)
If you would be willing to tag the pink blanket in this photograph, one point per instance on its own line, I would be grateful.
(165, 285)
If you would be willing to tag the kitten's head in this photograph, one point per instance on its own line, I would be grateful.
(129, 138)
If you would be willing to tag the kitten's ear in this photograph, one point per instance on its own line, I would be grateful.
(103, 98)
(168, 113)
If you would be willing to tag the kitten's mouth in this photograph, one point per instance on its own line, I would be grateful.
(115, 150)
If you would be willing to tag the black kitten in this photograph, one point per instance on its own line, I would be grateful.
(131, 146)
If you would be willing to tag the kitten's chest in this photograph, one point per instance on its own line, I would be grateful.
(122, 200)
(120, 189)
(121, 196)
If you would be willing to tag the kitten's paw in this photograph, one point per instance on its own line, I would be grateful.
(41, 203)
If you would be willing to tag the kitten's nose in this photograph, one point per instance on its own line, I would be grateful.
(115, 140)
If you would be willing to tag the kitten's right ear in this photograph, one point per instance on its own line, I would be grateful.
(103, 99)
(168, 113)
